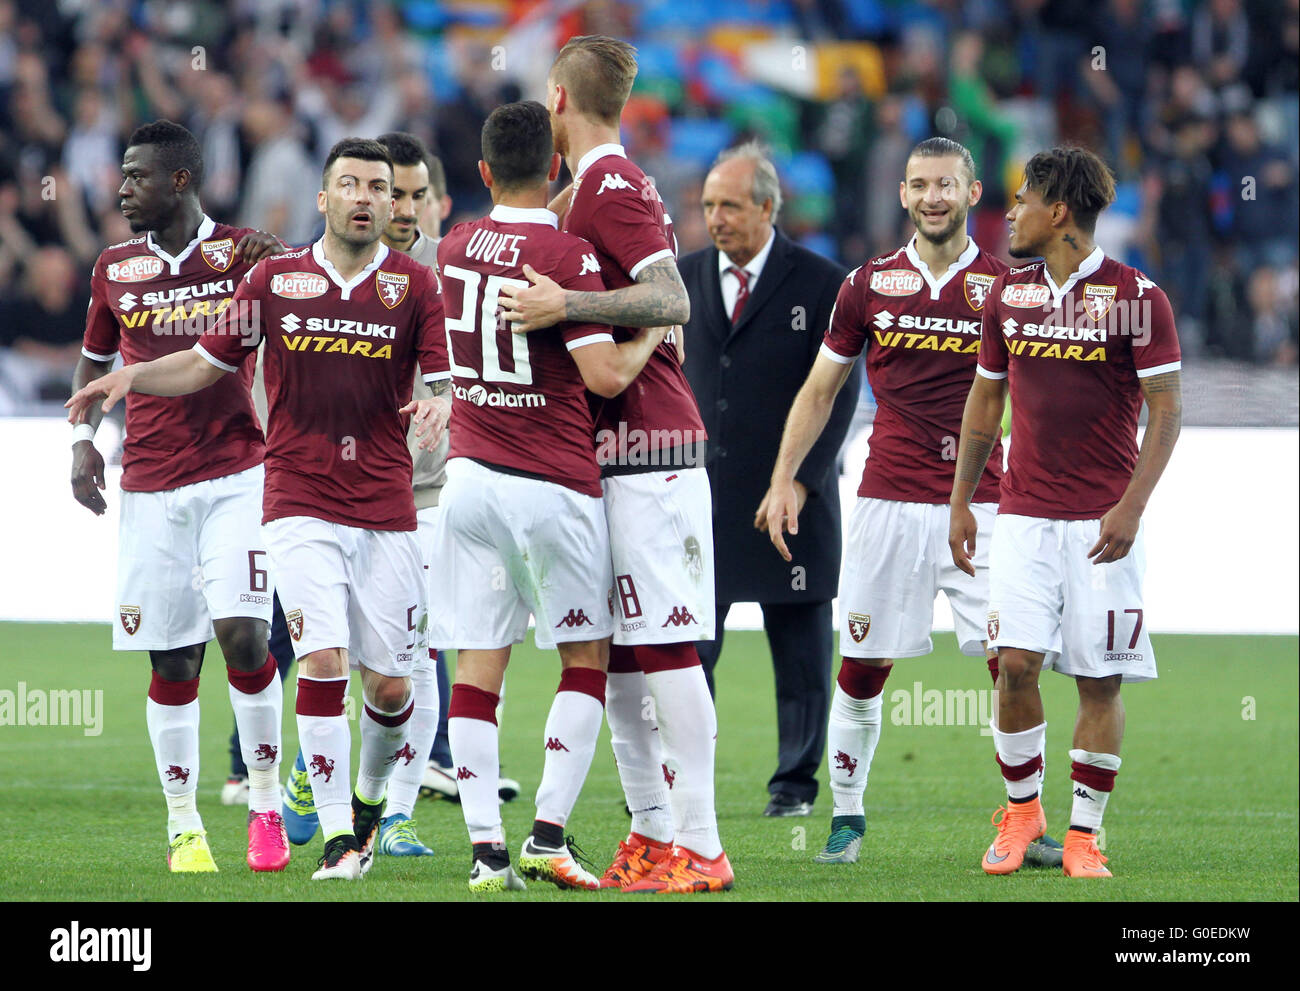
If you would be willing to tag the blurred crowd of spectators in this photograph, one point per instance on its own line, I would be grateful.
(1194, 103)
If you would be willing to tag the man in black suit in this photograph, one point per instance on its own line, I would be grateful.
(760, 305)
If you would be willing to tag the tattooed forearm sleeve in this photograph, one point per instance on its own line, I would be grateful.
(657, 300)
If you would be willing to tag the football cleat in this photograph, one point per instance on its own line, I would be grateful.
(783, 805)
(439, 782)
(268, 844)
(1044, 852)
(484, 879)
(1020, 825)
(397, 838)
(342, 859)
(299, 807)
(188, 853)
(683, 872)
(365, 826)
(555, 864)
(1081, 857)
(636, 857)
(845, 840)
(235, 790)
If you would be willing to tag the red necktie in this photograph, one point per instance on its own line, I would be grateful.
(742, 295)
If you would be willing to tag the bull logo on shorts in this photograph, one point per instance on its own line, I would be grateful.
(859, 626)
(218, 254)
(693, 558)
(319, 765)
(669, 776)
(993, 626)
(294, 621)
(266, 751)
(130, 616)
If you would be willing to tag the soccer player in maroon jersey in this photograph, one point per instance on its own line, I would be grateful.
(651, 447)
(522, 526)
(916, 314)
(191, 563)
(345, 320)
(1080, 340)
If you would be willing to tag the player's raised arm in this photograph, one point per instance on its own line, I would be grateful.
(176, 374)
(980, 424)
(657, 300)
(778, 513)
(1164, 396)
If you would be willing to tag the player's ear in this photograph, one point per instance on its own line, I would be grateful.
(902, 193)
(181, 180)
(554, 173)
(561, 99)
(976, 191)
(320, 201)
(485, 173)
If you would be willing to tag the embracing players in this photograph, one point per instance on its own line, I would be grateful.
(651, 447)
(916, 314)
(191, 560)
(522, 526)
(345, 320)
(1080, 340)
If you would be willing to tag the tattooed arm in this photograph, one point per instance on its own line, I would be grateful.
(1119, 527)
(657, 300)
(979, 433)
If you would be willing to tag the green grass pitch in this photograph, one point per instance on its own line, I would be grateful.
(1205, 808)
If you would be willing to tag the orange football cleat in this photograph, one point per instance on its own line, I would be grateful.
(1020, 825)
(683, 872)
(636, 858)
(1081, 857)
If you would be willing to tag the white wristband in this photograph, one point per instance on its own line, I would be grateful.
(83, 431)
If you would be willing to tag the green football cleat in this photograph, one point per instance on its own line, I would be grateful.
(188, 853)
(299, 805)
(845, 840)
(1044, 852)
(485, 880)
(397, 838)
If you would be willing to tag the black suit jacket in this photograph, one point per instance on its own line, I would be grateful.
(745, 379)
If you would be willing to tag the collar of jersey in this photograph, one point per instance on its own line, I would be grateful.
(524, 215)
(1086, 267)
(318, 255)
(205, 230)
(597, 153)
(963, 260)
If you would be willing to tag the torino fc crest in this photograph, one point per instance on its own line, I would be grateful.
(977, 285)
(130, 616)
(218, 254)
(391, 287)
(1097, 300)
(859, 626)
(294, 621)
(994, 626)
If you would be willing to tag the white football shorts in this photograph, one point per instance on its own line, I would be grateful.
(507, 546)
(661, 539)
(344, 586)
(1046, 596)
(896, 561)
(187, 556)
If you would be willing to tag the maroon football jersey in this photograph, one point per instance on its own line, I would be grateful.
(922, 337)
(518, 399)
(1074, 355)
(616, 207)
(340, 360)
(147, 304)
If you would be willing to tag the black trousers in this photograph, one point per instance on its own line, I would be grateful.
(801, 638)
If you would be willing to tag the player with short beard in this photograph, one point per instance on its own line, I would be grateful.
(345, 321)
(191, 562)
(1067, 559)
(656, 487)
(916, 315)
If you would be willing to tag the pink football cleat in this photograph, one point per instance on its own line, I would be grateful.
(268, 844)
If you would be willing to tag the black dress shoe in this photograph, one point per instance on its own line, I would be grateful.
(783, 804)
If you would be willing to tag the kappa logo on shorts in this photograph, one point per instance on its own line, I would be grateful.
(130, 616)
(218, 254)
(294, 621)
(994, 626)
(576, 617)
(391, 287)
(680, 616)
(859, 626)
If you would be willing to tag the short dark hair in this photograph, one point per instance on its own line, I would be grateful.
(362, 148)
(176, 148)
(404, 149)
(1076, 177)
(517, 144)
(944, 148)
